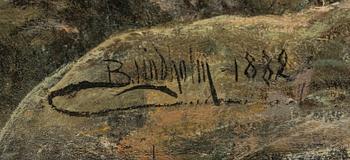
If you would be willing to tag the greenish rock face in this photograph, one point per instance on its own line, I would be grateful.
(227, 87)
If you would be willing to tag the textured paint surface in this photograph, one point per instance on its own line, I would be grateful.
(269, 85)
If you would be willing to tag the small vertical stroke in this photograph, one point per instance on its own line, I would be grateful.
(183, 70)
(177, 77)
(302, 93)
(163, 67)
(212, 87)
(145, 65)
(153, 152)
(282, 59)
(150, 69)
(144, 70)
(155, 70)
(192, 64)
(203, 71)
(171, 68)
(267, 69)
(138, 72)
(198, 71)
(236, 70)
(172, 74)
(109, 74)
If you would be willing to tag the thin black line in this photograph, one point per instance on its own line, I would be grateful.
(301, 93)
(83, 85)
(163, 66)
(171, 68)
(106, 111)
(138, 72)
(199, 72)
(109, 74)
(155, 69)
(150, 69)
(212, 87)
(163, 89)
(88, 85)
(236, 70)
(192, 65)
(144, 70)
(172, 74)
(153, 153)
(177, 78)
(183, 70)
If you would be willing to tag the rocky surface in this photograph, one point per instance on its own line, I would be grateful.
(228, 87)
(38, 36)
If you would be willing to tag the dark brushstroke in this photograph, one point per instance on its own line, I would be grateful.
(163, 89)
(72, 88)
(302, 93)
(144, 70)
(198, 71)
(282, 59)
(192, 65)
(81, 86)
(253, 72)
(155, 69)
(236, 70)
(138, 72)
(212, 87)
(177, 77)
(163, 66)
(109, 74)
(107, 111)
(172, 74)
(117, 70)
(150, 69)
(183, 70)
(267, 68)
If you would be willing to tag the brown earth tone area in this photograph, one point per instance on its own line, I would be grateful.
(38, 36)
(263, 86)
